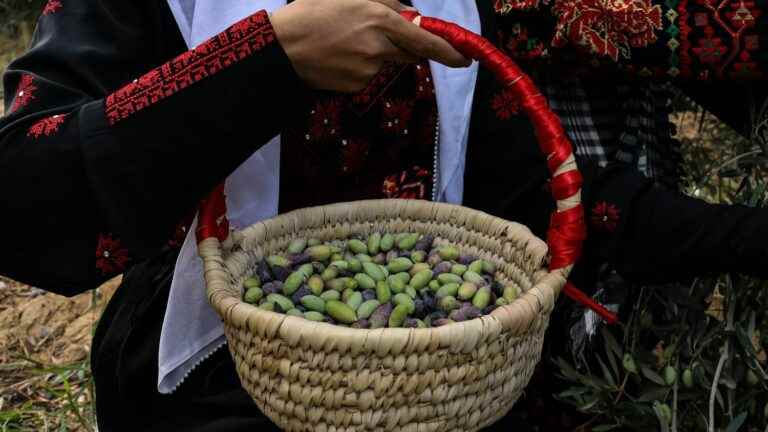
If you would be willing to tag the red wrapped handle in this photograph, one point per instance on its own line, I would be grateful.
(567, 230)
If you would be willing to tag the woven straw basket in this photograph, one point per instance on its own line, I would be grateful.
(310, 376)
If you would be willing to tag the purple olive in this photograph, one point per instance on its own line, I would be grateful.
(361, 324)
(299, 259)
(443, 267)
(466, 259)
(280, 273)
(273, 287)
(263, 271)
(369, 294)
(441, 322)
(301, 292)
(424, 243)
(489, 309)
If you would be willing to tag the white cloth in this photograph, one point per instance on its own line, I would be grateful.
(191, 329)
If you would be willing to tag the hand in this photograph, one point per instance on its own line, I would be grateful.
(341, 44)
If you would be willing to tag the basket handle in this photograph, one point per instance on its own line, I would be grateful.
(567, 229)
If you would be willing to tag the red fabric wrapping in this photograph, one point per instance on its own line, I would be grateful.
(567, 228)
(212, 216)
(575, 294)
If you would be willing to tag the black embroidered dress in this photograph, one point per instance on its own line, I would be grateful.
(113, 132)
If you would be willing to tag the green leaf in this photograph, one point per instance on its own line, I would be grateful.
(574, 392)
(588, 405)
(612, 344)
(757, 196)
(609, 354)
(567, 370)
(736, 423)
(606, 372)
(604, 428)
(651, 375)
(653, 393)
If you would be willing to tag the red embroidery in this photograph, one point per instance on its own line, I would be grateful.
(111, 257)
(24, 93)
(605, 217)
(685, 44)
(710, 49)
(519, 45)
(353, 152)
(409, 184)
(363, 100)
(607, 28)
(325, 121)
(47, 126)
(395, 116)
(51, 7)
(425, 88)
(220, 52)
(506, 104)
(180, 232)
(507, 6)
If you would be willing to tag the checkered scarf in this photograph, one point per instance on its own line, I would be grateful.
(644, 140)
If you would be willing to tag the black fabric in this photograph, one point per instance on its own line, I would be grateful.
(124, 364)
(136, 179)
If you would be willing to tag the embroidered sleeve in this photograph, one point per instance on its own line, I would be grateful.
(98, 167)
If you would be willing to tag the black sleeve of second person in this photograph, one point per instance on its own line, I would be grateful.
(648, 233)
(101, 155)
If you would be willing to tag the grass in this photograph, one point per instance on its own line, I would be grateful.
(46, 398)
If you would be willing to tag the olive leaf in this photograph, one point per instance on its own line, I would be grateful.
(651, 375)
(604, 428)
(611, 342)
(607, 373)
(737, 422)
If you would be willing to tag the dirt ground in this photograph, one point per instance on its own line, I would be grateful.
(45, 342)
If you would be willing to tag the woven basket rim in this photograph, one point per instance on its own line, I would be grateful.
(459, 336)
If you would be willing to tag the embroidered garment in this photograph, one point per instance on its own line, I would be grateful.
(252, 190)
(132, 181)
(692, 39)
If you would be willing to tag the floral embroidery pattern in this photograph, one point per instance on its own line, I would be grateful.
(25, 93)
(520, 45)
(506, 104)
(409, 184)
(47, 126)
(605, 217)
(51, 7)
(607, 27)
(425, 88)
(111, 257)
(354, 153)
(236, 43)
(507, 6)
(363, 100)
(395, 116)
(325, 119)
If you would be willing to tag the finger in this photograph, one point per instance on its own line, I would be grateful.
(391, 52)
(416, 40)
(394, 5)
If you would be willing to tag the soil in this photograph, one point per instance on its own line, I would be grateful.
(48, 328)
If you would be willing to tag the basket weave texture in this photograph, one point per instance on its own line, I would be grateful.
(309, 376)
